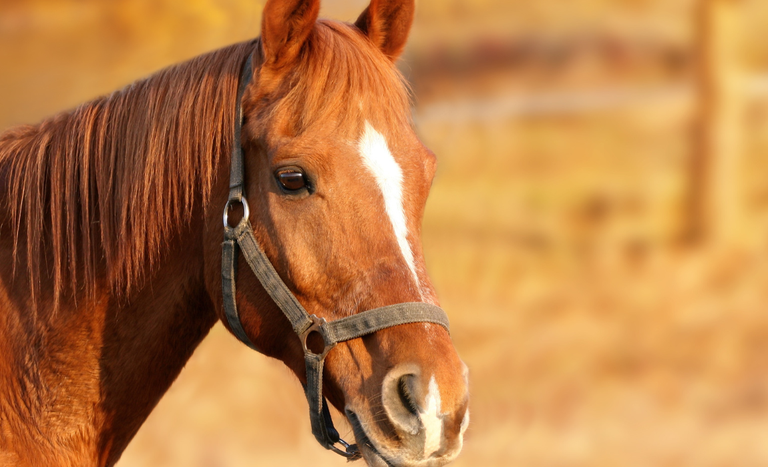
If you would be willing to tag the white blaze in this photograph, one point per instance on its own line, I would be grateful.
(378, 159)
(432, 419)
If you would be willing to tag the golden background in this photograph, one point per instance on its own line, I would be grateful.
(599, 330)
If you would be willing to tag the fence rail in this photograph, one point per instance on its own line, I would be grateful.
(569, 103)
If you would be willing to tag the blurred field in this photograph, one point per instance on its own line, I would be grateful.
(596, 333)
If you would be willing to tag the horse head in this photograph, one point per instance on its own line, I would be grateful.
(337, 182)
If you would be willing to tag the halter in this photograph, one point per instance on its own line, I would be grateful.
(344, 329)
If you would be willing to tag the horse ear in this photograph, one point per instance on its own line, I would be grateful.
(285, 26)
(387, 23)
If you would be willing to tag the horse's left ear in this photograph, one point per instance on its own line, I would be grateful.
(387, 23)
(285, 26)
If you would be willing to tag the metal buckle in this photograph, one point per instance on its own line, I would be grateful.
(318, 325)
(228, 206)
(351, 451)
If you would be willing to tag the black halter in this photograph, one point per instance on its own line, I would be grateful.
(367, 322)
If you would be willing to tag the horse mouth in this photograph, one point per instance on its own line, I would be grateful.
(371, 455)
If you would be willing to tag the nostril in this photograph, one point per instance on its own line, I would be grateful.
(406, 393)
(400, 395)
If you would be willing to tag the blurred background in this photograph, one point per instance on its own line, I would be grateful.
(598, 229)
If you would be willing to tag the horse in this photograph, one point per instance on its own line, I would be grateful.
(113, 270)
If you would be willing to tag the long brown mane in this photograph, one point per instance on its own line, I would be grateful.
(108, 182)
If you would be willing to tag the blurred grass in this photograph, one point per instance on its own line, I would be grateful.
(594, 335)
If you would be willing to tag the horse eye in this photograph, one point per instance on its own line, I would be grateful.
(291, 179)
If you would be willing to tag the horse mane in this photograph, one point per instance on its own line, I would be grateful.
(108, 182)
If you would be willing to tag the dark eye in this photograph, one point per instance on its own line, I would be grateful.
(291, 179)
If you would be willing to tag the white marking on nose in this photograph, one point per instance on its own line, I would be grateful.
(379, 160)
(464, 423)
(432, 420)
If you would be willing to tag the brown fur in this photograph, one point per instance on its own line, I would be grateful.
(110, 231)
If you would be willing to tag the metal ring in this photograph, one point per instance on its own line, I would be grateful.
(351, 451)
(246, 210)
(318, 325)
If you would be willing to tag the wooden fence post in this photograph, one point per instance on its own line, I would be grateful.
(716, 192)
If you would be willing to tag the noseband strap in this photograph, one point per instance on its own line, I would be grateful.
(241, 239)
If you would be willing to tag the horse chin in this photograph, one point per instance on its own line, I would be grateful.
(380, 456)
(373, 458)
(371, 455)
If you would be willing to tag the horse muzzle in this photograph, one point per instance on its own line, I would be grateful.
(417, 425)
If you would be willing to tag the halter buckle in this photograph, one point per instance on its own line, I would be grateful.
(318, 326)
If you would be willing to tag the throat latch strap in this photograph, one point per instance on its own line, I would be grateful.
(241, 239)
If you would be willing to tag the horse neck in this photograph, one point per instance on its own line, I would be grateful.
(169, 317)
(76, 383)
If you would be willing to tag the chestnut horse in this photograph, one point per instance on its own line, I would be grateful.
(111, 241)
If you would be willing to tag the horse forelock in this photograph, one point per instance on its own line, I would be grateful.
(340, 80)
(108, 183)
